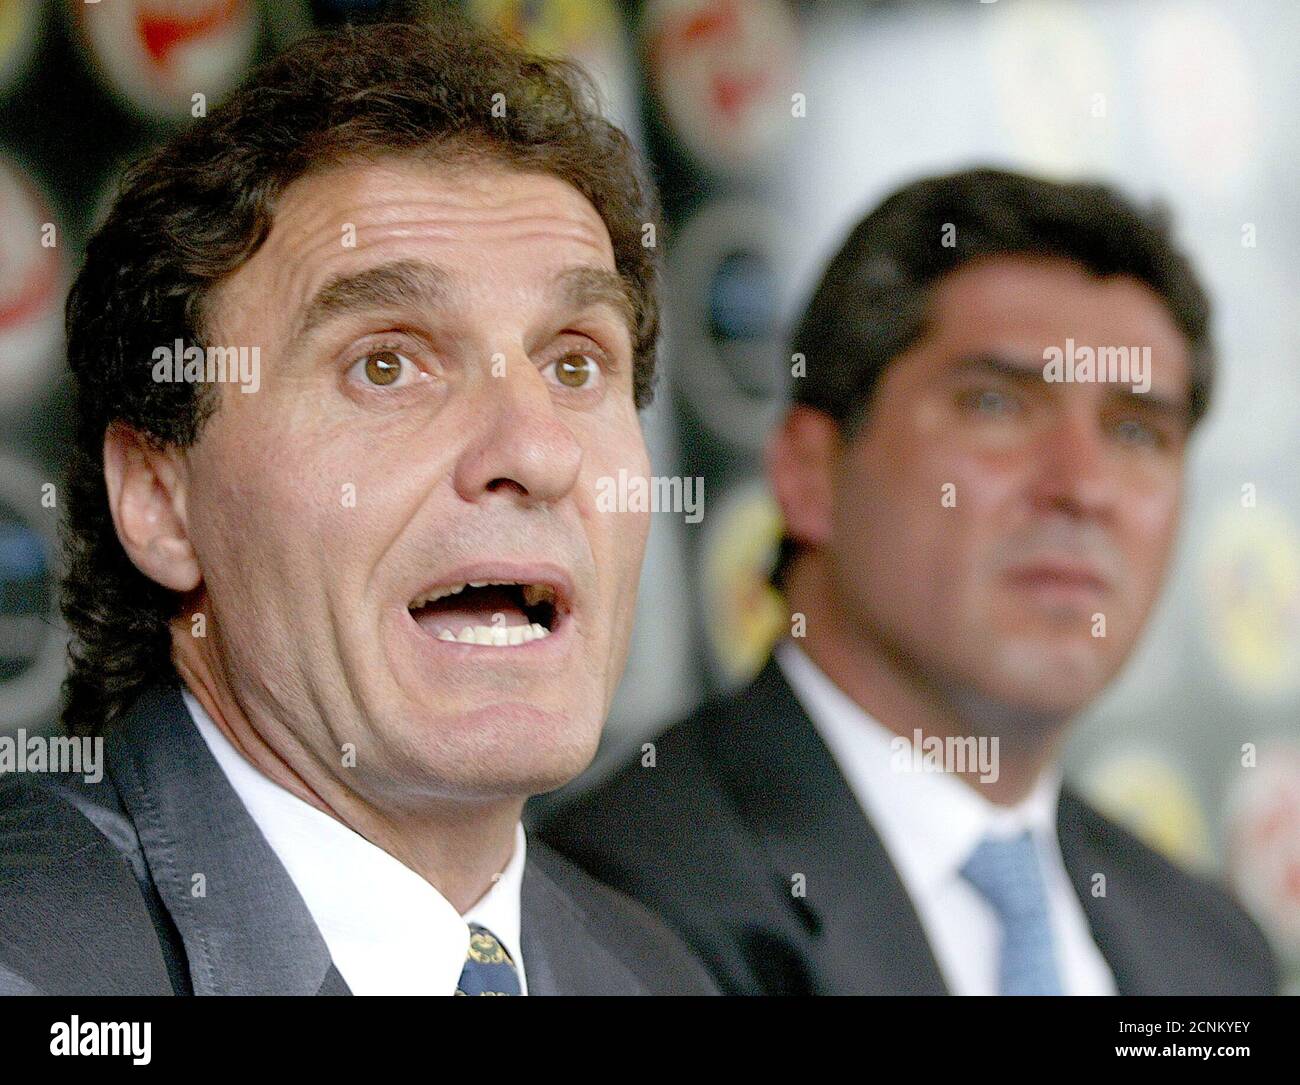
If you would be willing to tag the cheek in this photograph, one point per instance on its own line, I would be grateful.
(270, 499)
(1150, 523)
(987, 493)
(932, 505)
(617, 539)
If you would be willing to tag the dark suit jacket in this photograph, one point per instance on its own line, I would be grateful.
(97, 880)
(744, 795)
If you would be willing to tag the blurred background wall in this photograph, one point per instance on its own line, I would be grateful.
(772, 125)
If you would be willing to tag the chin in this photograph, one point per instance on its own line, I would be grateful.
(1057, 678)
(1054, 704)
(506, 748)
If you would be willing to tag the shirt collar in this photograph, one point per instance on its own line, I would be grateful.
(929, 821)
(388, 930)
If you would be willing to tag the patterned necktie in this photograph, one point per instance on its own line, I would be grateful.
(488, 967)
(1007, 873)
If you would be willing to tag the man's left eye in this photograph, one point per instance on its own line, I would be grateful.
(383, 368)
(575, 370)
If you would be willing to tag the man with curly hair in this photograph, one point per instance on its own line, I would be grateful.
(351, 354)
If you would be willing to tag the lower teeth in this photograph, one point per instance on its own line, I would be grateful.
(497, 635)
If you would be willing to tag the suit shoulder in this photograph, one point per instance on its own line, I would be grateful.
(650, 795)
(671, 760)
(1209, 913)
(72, 916)
(628, 929)
(655, 830)
(40, 824)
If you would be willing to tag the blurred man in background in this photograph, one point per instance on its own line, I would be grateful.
(980, 477)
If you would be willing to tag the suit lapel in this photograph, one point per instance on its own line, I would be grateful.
(245, 928)
(1120, 921)
(868, 937)
(334, 983)
(559, 953)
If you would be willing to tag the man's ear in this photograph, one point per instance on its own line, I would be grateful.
(147, 487)
(801, 455)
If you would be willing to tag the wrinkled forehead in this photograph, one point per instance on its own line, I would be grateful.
(467, 221)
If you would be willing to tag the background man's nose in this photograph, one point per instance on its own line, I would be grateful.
(1072, 471)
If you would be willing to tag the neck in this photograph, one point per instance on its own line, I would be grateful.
(881, 680)
(457, 847)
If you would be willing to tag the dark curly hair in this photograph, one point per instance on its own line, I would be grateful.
(197, 208)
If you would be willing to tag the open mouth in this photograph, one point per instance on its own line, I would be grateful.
(493, 613)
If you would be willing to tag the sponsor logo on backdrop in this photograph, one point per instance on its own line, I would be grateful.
(1198, 97)
(588, 31)
(1264, 841)
(724, 72)
(32, 639)
(1053, 81)
(157, 54)
(744, 615)
(1145, 790)
(725, 350)
(32, 284)
(1250, 587)
(20, 22)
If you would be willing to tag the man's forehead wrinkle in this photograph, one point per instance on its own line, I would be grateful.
(474, 225)
(372, 195)
(379, 203)
(423, 219)
(315, 258)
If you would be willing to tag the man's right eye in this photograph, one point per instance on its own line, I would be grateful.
(988, 402)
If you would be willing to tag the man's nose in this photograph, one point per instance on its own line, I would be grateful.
(521, 444)
(1074, 472)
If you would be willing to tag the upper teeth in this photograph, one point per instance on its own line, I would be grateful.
(533, 593)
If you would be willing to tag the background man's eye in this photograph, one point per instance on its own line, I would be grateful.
(1133, 432)
(989, 401)
(382, 368)
(575, 370)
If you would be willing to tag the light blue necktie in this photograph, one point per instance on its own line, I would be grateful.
(1006, 871)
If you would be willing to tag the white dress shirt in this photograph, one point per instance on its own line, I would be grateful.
(388, 930)
(929, 823)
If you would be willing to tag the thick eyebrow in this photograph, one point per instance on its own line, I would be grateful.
(1031, 374)
(400, 284)
(1177, 410)
(586, 287)
(413, 284)
(1001, 365)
